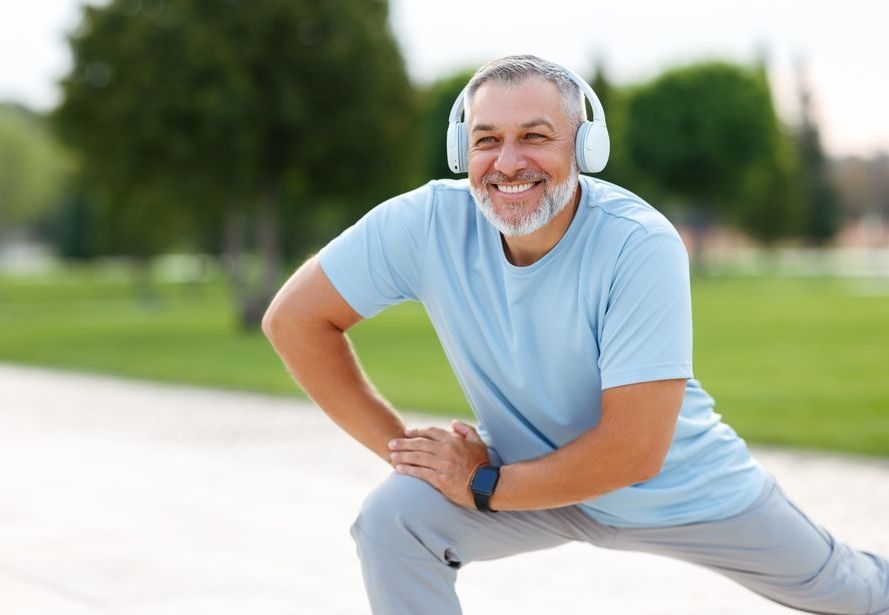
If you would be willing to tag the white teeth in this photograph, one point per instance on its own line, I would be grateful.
(514, 188)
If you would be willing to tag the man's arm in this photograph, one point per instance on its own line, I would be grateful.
(306, 324)
(626, 447)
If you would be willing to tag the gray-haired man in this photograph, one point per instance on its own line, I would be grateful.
(562, 303)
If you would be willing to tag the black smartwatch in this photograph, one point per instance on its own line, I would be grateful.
(484, 481)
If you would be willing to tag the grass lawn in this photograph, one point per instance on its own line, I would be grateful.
(796, 361)
(799, 361)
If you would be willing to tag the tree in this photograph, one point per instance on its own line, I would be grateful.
(72, 228)
(614, 102)
(436, 102)
(33, 168)
(706, 135)
(771, 207)
(223, 118)
(821, 219)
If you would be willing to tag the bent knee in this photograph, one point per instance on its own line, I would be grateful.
(401, 512)
(400, 500)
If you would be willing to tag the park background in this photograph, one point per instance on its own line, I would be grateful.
(191, 153)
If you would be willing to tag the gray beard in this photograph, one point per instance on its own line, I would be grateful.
(554, 200)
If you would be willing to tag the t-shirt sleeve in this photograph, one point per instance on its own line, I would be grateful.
(647, 327)
(378, 261)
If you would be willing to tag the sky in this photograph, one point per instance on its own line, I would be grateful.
(843, 46)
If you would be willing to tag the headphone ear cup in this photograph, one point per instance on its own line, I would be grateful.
(458, 147)
(592, 146)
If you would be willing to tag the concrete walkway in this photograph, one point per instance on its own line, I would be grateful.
(135, 498)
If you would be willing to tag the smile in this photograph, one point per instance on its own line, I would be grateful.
(514, 188)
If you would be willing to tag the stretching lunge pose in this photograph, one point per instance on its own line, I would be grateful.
(562, 303)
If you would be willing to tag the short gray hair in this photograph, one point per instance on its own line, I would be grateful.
(515, 69)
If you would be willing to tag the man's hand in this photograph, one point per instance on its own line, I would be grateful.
(446, 460)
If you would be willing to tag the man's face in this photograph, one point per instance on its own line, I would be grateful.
(521, 154)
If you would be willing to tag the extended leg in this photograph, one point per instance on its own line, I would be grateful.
(775, 550)
(412, 540)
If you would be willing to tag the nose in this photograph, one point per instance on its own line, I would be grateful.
(510, 159)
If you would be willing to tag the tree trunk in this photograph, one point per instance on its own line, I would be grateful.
(269, 247)
(143, 284)
(270, 244)
(233, 250)
(699, 225)
(252, 297)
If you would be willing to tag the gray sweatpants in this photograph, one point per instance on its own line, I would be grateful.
(412, 540)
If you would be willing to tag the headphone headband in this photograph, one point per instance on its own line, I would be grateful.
(458, 108)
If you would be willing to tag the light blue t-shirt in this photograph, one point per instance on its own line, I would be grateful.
(533, 347)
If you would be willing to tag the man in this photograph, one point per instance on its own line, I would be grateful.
(562, 303)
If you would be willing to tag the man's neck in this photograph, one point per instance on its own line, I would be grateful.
(524, 250)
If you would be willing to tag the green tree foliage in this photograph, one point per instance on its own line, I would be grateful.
(33, 168)
(614, 101)
(771, 205)
(248, 126)
(821, 213)
(72, 228)
(436, 101)
(707, 136)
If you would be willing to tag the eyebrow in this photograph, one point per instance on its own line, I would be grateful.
(529, 124)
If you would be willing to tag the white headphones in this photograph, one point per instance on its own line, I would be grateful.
(591, 144)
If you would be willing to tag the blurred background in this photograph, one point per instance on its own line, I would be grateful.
(165, 164)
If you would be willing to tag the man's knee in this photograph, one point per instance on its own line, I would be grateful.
(405, 515)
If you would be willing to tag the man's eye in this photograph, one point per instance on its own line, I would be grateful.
(485, 140)
(534, 135)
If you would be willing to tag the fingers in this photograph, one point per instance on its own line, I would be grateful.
(416, 458)
(444, 459)
(460, 428)
(433, 433)
(437, 434)
(430, 476)
(467, 431)
(413, 444)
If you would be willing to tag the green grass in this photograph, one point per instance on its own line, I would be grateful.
(86, 319)
(792, 361)
(803, 362)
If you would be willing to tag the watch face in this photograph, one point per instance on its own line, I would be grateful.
(485, 480)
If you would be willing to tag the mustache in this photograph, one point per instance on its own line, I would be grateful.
(521, 177)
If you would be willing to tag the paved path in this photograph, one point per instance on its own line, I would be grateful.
(132, 498)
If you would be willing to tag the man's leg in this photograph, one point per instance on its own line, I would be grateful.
(412, 540)
(775, 550)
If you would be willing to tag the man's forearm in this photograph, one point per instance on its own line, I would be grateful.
(626, 447)
(588, 467)
(320, 358)
(595, 463)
